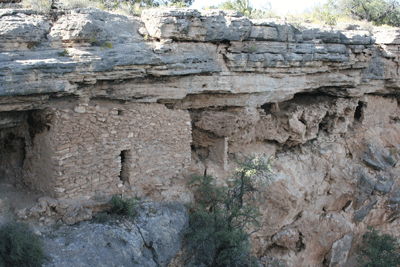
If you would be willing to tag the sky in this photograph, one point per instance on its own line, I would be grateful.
(282, 6)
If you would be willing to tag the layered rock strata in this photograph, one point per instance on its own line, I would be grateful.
(96, 104)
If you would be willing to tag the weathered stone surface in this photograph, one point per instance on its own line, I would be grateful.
(357, 37)
(1, 205)
(193, 25)
(97, 54)
(286, 238)
(78, 214)
(286, 32)
(95, 27)
(384, 187)
(38, 209)
(152, 239)
(318, 32)
(340, 250)
(21, 213)
(22, 30)
(162, 227)
(263, 33)
(291, 122)
(227, 124)
(48, 201)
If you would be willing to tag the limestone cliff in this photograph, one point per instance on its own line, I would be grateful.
(95, 104)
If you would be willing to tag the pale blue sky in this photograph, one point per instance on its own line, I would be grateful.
(282, 6)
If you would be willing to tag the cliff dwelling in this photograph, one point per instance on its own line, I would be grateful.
(95, 104)
(93, 149)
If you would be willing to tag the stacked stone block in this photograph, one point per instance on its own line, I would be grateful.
(116, 150)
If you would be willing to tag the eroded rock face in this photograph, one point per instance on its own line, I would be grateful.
(150, 240)
(22, 30)
(170, 55)
(337, 179)
(340, 250)
(194, 25)
(292, 122)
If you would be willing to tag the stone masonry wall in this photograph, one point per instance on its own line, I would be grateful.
(137, 150)
(39, 162)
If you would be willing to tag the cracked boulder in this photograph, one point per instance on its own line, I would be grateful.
(286, 238)
(299, 120)
(96, 27)
(193, 25)
(15, 37)
(227, 123)
(340, 250)
(152, 238)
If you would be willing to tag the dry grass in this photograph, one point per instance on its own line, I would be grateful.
(129, 8)
(40, 6)
(365, 25)
(43, 6)
(72, 4)
(126, 8)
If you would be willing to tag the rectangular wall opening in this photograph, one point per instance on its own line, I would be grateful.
(123, 175)
(359, 111)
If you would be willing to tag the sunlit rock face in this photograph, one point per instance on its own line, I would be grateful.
(94, 104)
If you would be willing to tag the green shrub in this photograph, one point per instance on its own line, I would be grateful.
(100, 218)
(220, 220)
(64, 53)
(327, 12)
(265, 12)
(123, 206)
(19, 246)
(106, 45)
(379, 250)
(179, 4)
(377, 11)
(240, 5)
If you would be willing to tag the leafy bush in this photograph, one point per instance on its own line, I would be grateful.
(219, 222)
(327, 12)
(240, 5)
(19, 246)
(100, 218)
(264, 13)
(379, 250)
(377, 11)
(123, 206)
(64, 53)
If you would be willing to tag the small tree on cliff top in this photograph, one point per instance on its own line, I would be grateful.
(377, 11)
(220, 220)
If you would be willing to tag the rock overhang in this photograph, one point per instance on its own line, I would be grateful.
(168, 55)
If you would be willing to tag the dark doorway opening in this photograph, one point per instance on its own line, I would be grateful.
(38, 122)
(358, 113)
(123, 175)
